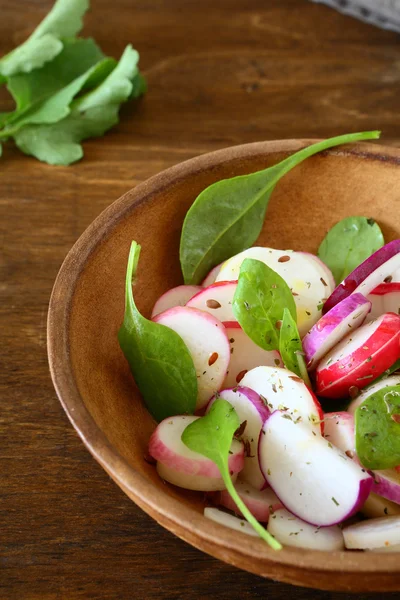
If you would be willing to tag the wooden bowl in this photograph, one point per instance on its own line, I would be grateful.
(92, 378)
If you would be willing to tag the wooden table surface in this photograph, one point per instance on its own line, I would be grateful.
(220, 73)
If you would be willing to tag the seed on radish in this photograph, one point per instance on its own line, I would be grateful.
(227, 520)
(375, 506)
(371, 389)
(216, 299)
(177, 296)
(261, 503)
(312, 478)
(183, 467)
(282, 389)
(245, 354)
(332, 327)
(292, 531)
(339, 431)
(372, 534)
(211, 277)
(205, 337)
(360, 357)
(252, 411)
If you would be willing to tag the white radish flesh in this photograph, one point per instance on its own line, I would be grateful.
(252, 411)
(216, 299)
(211, 277)
(339, 431)
(312, 478)
(332, 327)
(325, 271)
(227, 520)
(283, 389)
(375, 506)
(181, 466)
(292, 531)
(360, 357)
(245, 355)
(372, 389)
(302, 273)
(207, 342)
(373, 533)
(386, 297)
(177, 296)
(261, 503)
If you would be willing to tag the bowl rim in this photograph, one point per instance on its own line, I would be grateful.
(182, 520)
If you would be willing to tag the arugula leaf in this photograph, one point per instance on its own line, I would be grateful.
(259, 301)
(377, 429)
(291, 348)
(348, 244)
(63, 21)
(158, 358)
(212, 436)
(227, 217)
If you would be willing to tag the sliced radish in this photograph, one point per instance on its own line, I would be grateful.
(207, 342)
(245, 354)
(339, 431)
(211, 277)
(183, 467)
(292, 531)
(261, 503)
(386, 298)
(312, 478)
(371, 389)
(301, 271)
(224, 518)
(373, 533)
(375, 506)
(216, 299)
(360, 357)
(282, 389)
(325, 270)
(177, 296)
(252, 411)
(367, 276)
(332, 327)
(387, 484)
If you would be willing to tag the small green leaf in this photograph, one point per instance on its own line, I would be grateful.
(377, 427)
(228, 216)
(259, 301)
(348, 244)
(395, 367)
(212, 436)
(291, 348)
(158, 357)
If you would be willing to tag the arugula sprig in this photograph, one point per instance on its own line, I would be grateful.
(212, 436)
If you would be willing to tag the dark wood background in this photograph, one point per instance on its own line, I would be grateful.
(220, 72)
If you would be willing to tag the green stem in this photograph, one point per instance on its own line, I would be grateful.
(133, 260)
(303, 370)
(263, 533)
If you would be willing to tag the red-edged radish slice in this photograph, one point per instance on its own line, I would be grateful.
(373, 533)
(183, 467)
(211, 277)
(245, 354)
(386, 297)
(339, 431)
(371, 389)
(216, 299)
(332, 327)
(261, 503)
(289, 530)
(375, 506)
(387, 484)
(252, 411)
(177, 296)
(227, 520)
(282, 389)
(312, 478)
(367, 276)
(360, 357)
(207, 342)
(301, 271)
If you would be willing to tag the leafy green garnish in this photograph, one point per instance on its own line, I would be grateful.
(212, 436)
(158, 357)
(228, 216)
(377, 429)
(392, 369)
(348, 244)
(259, 301)
(291, 348)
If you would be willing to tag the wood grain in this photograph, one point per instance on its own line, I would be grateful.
(219, 74)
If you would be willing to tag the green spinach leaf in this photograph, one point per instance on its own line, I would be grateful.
(158, 357)
(348, 244)
(291, 348)
(377, 427)
(259, 301)
(212, 436)
(227, 217)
